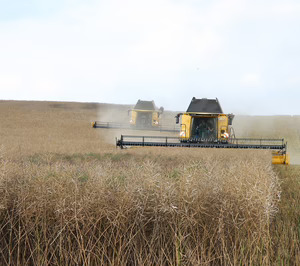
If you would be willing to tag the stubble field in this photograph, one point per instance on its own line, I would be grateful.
(68, 196)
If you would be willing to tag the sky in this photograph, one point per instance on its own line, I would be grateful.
(244, 52)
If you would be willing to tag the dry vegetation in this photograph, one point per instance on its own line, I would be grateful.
(69, 197)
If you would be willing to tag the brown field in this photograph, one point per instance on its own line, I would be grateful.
(68, 196)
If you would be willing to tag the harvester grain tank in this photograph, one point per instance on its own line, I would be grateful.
(204, 125)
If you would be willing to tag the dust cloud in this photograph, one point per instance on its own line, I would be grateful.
(287, 127)
(114, 113)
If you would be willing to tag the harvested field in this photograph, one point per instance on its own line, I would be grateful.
(68, 196)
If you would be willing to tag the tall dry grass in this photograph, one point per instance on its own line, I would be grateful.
(285, 230)
(149, 207)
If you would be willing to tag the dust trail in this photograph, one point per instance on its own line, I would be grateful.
(295, 157)
(113, 113)
(287, 127)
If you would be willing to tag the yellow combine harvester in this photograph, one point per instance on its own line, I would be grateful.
(144, 116)
(204, 125)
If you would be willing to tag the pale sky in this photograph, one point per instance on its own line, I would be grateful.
(245, 52)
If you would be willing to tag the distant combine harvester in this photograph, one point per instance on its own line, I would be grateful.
(144, 116)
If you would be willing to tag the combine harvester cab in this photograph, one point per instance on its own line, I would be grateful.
(204, 125)
(204, 121)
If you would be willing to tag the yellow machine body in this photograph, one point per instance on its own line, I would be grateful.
(280, 158)
(146, 117)
(133, 118)
(221, 121)
(155, 119)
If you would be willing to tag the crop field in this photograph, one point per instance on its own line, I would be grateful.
(69, 197)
